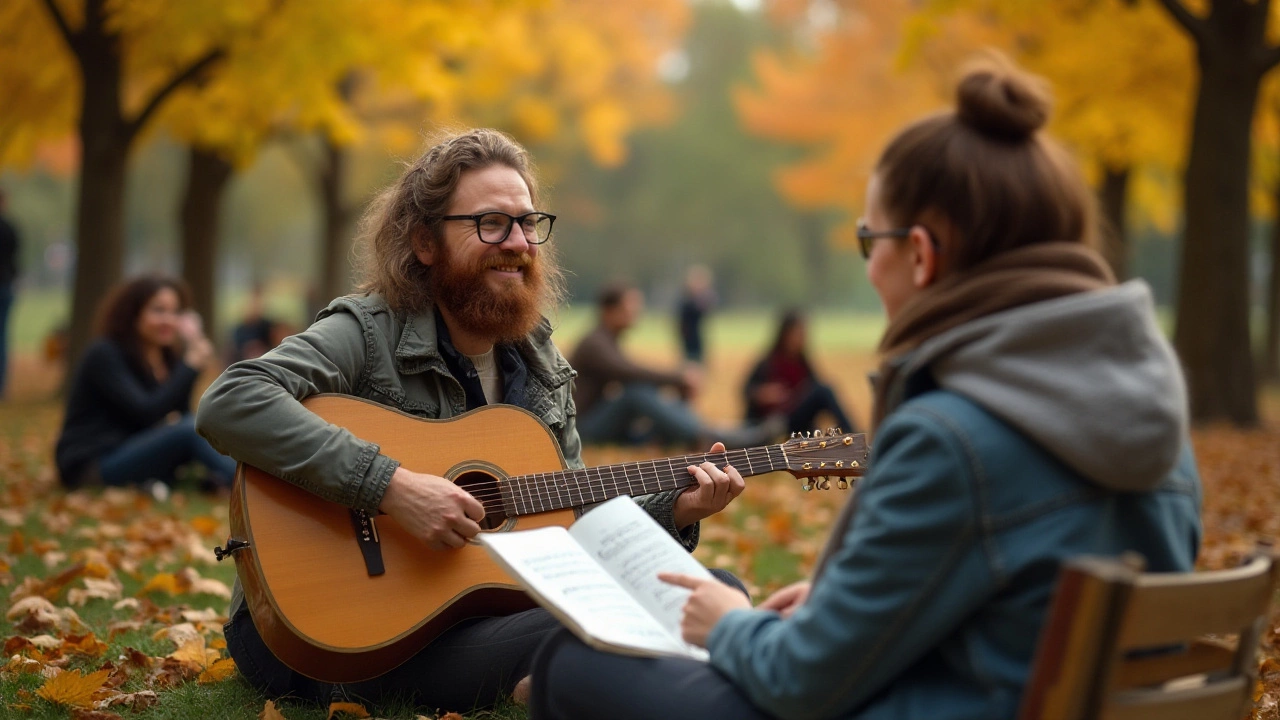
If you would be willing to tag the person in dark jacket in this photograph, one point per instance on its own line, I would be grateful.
(784, 382)
(1028, 410)
(696, 301)
(9, 247)
(129, 418)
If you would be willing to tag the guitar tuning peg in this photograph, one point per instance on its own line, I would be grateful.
(839, 431)
(817, 432)
(793, 436)
(806, 485)
(831, 432)
(825, 483)
(843, 483)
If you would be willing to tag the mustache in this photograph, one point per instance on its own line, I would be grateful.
(507, 259)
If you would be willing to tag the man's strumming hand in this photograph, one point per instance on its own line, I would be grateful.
(432, 509)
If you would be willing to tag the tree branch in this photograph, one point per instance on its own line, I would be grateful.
(174, 83)
(1192, 24)
(61, 22)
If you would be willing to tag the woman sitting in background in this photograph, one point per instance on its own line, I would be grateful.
(783, 382)
(1028, 411)
(128, 418)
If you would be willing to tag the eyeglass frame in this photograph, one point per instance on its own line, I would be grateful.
(511, 223)
(867, 236)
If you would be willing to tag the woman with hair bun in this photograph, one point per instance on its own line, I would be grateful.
(128, 418)
(1027, 410)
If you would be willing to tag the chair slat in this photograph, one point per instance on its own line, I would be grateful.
(1200, 658)
(1168, 608)
(1226, 699)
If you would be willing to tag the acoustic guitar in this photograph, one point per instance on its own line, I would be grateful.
(342, 596)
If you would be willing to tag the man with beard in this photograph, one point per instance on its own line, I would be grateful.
(447, 318)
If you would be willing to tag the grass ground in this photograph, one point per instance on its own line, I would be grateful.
(151, 563)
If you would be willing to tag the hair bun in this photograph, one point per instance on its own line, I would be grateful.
(1000, 101)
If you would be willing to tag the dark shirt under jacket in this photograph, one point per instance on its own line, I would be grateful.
(112, 398)
(8, 253)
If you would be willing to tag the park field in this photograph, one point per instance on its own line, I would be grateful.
(133, 588)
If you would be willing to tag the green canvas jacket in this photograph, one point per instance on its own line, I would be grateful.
(358, 346)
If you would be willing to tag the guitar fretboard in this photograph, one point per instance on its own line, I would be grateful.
(543, 492)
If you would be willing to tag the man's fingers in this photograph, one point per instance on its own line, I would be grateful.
(472, 507)
(684, 581)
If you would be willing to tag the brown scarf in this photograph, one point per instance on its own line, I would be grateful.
(1011, 279)
(1029, 274)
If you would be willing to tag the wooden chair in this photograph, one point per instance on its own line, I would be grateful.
(1120, 644)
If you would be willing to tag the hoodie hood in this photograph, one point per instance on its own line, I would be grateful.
(1089, 377)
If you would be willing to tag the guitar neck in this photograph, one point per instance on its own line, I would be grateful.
(543, 492)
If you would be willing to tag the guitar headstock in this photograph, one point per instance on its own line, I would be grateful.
(817, 457)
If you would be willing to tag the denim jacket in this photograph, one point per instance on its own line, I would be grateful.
(931, 603)
(358, 346)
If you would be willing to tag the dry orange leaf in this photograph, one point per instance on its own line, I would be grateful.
(162, 582)
(72, 689)
(220, 670)
(83, 645)
(16, 543)
(205, 525)
(347, 708)
(269, 712)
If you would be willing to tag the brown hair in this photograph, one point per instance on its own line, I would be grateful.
(987, 170)
(408, 213)
(118, 316)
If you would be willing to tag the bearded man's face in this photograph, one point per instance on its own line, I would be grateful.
(496, 291)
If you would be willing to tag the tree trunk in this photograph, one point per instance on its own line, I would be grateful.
(104, 139)
(336, 273)
(1271, 351)
(1114, 197)
(207, 178)
(1212, 334)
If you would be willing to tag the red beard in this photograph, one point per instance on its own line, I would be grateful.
(505, 314)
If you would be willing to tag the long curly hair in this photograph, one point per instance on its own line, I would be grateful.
(406, 217)
(118, 315)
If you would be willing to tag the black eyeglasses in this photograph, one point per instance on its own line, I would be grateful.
(867, 236)
(494, 227)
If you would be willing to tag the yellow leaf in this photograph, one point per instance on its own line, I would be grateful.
(163, 582)
(347, 708)
(269, 712)
(205, 525)
(83, 645)
(71, 688)
(220, 670)
(192, 651)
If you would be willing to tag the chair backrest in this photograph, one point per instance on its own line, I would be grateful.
(1119, 644)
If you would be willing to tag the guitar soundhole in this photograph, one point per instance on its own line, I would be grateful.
(487, 489)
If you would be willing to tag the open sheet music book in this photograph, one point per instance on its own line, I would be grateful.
(600, 578)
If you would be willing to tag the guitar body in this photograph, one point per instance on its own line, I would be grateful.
(305, 579)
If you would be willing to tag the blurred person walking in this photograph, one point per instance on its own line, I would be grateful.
(9, 249)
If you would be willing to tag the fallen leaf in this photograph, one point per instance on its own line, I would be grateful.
(180, 634)
(17, 544)
(269, 712)
(161, 582)
(83, 645)
(205, 525)
(71, 688)
(134, 701)
(220, 670)
(347, 708)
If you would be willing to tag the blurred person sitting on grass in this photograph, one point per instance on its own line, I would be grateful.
(620, 401)
(784, 382)
(1028, 410)
(128, 419)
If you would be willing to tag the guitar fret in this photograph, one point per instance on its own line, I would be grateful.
(540, 483)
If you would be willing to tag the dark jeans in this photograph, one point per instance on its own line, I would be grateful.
(572, 681)
(640, 414)
(817, 398)
(156, 453)
(472, 665)
(6, 304)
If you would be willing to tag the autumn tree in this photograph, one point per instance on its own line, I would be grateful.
(119, 63)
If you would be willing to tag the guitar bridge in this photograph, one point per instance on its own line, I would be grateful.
(367, 539)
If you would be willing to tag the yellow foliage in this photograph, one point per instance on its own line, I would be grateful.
(72, 689)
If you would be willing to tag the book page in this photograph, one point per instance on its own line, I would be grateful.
(564, 578)
(634, 548)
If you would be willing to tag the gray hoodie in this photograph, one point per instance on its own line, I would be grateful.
(1045, 367)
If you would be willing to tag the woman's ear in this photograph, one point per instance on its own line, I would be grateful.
(423, 248)
(925, 257)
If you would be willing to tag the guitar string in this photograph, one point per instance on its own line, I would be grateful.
(544, 489)
(540, 492)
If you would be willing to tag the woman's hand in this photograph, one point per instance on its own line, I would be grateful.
(710, 600)
(716, 489)
(789, 599)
